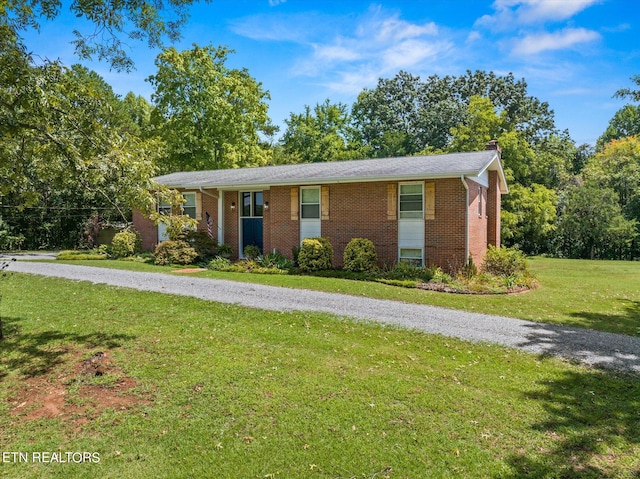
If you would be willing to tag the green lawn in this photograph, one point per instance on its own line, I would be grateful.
(601, 295)
(230, 392)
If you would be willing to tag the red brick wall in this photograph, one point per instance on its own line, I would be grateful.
(359, 210)
(231, 221)
(493, 209)
(148, 231)
(445, 235)
(209, 205)
(477, 222)
(284, 233)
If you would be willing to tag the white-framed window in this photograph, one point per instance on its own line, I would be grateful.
(411, 255)
(252, 204)
(479, 200)
(189, 206)
(411, 202)
(164, 208)
(310, 202)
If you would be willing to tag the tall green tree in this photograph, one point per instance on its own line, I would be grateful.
(528, 218)
(529, 210)
(209, 116)
(625, 122)
(63, 146)
(318, 135)
(418, 115)
(617, 167)
(591, 225)
(112, 24)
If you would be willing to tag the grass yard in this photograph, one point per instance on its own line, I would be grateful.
(199, 389)
(600, 295)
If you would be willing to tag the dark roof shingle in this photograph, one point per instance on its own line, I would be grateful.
(400, 168)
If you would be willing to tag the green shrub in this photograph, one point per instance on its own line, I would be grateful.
(174, 252)
(73, 255)
(225, 250)
(315, 254)
(504, 262)
(469, 270)
(276, 260)
(125, 243)
(219, 264)
(405, 270)
(251, 252)
(360, 256)
(200, 241)
(440, 276)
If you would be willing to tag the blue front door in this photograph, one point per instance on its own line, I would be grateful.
(252, 232)
(251, 219)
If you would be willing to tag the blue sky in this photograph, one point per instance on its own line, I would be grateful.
(573, 54)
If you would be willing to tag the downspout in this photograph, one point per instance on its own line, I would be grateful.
(466, 220)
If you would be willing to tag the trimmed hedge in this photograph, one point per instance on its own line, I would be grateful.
(504, 261)
(316, 254)
(125, 244)
(360, 256)
(174, 252)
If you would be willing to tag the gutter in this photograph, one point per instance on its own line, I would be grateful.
(466, 219)
(204, 192)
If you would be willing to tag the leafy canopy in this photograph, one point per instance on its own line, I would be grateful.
(114, 22)
(318, 135)
(210, 116)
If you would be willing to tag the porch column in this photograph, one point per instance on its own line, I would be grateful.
(220, 217)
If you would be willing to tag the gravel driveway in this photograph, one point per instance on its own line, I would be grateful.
(591, 347)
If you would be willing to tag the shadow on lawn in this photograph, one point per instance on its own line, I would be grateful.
(603, 350)
(592, 427)
(37, 353)
(626, 322)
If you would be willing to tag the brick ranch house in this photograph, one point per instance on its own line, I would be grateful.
(431, 210)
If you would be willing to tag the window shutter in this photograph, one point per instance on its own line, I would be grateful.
(430, 201)
(198, 205)
(325, 203)
(392, 202)
(295, 205)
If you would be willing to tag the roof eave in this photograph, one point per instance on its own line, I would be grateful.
(496, 165)
(322, 181)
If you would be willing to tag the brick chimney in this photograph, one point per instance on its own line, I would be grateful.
(493, 145)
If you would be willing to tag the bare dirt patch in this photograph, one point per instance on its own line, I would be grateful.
(188, 270)
(77, 391)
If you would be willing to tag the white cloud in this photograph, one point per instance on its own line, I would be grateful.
(474, 36)
(567, 38)
(409, 53)
(511, 13)
(393, 29)
(274, 3)
(346, 55)
(296, 28)
(335, 53)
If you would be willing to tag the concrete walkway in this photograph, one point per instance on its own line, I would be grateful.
(591, 347)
